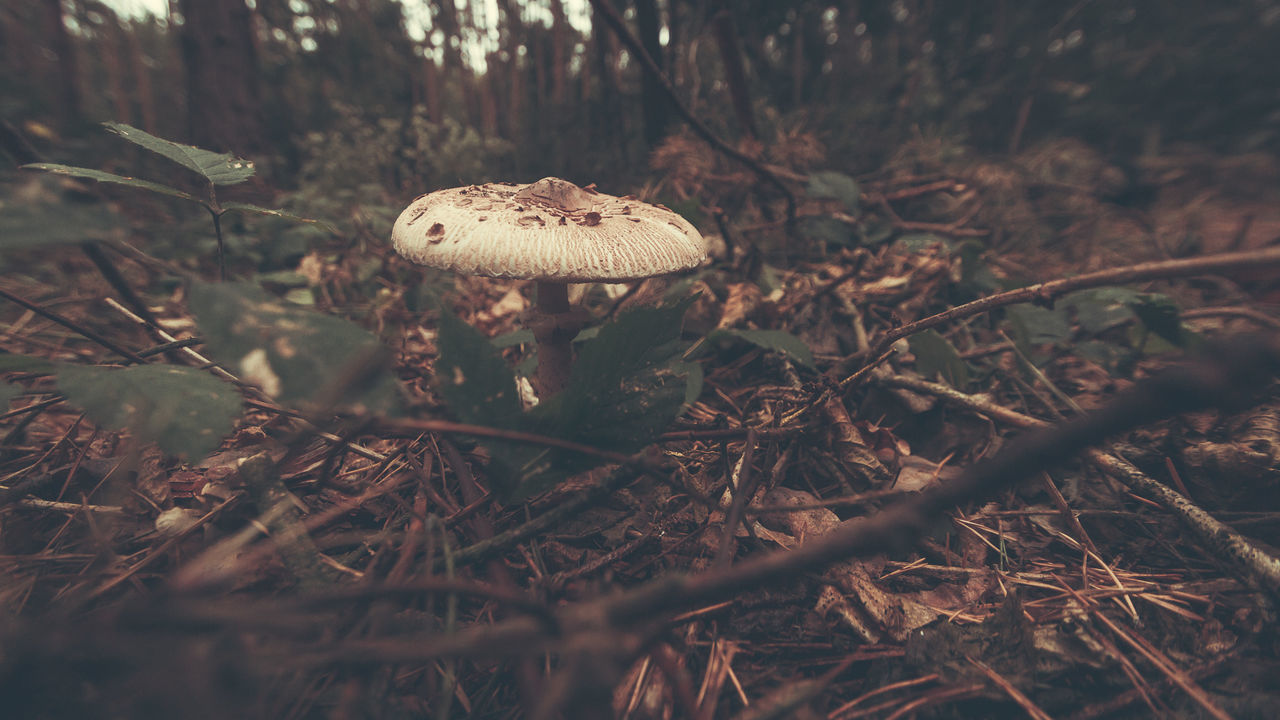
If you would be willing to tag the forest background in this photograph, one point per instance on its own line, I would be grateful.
(868, 173)
(350, 96)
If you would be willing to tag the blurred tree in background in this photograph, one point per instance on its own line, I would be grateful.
(559, 95)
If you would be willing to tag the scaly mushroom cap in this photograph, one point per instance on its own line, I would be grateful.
(548, 230)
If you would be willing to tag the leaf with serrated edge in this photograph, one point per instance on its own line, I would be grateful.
(833, 185)
(629, 383)
(296, 355)
(779, 341)
(472, 377)
(935, 355)
(106, 177)
(183, 410)
(217, 168)
(284, 214)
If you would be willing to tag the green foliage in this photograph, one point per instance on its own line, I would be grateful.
(296, 355)
(936, 356)
(7, 393)
(825, 229)
(250, 209)
(832, 188)
(833, 185)
(27, 225)
(917, 242)
(1034, 325)
(185, 411)
(1100, 308)
(472, 377)
(1153, 321)
(777, 341)
(106, 177)
(629, 383)
(216, 168)
(364, 153)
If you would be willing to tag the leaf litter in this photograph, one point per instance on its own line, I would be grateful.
(1002, 607)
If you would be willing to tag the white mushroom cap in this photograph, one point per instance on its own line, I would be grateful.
(548, 230)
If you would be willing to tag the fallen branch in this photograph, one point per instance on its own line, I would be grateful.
(1046, 292)
(1243, 558)
(1231, 373)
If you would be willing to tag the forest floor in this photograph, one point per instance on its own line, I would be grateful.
(358, 568)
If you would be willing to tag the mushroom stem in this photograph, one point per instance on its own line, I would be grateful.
(553, 334)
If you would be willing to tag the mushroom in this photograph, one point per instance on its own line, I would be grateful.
(551, 231)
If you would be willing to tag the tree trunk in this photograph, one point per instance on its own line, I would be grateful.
(559, 62)
(657, 111)
(111, 53)
(511, 28)
(431, 83)
(223, 108)
(735, 74)
(142, 81)
(67, 82)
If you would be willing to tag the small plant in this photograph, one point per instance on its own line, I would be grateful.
(216, 169)
(298, 357)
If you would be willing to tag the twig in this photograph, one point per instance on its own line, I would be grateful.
(611, 18)
(1247, 560)
(417, 425)
(487, 548)
(1033, 711)
(164, 548)
(1102, 709)
(221, 372)
(1047, 291)
(24, 154)
(742, 492)
(73, 326)
(38, 504)
(952, 228)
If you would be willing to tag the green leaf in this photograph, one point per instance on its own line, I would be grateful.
(473, 378)
(628, 383)
(43, 224)
(936, 356)
(1160, 315)
(1100, 308)
(256, 210)
(1037, 326)
(833, 185)
(778, 341)
(11, 362)
(217, 168)
(916, 242)
(512, 339)
(826, 229)
(296, 355)
(7, 393)
(183, 410)
(106, 177)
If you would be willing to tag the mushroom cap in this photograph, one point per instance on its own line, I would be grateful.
(548, 230)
